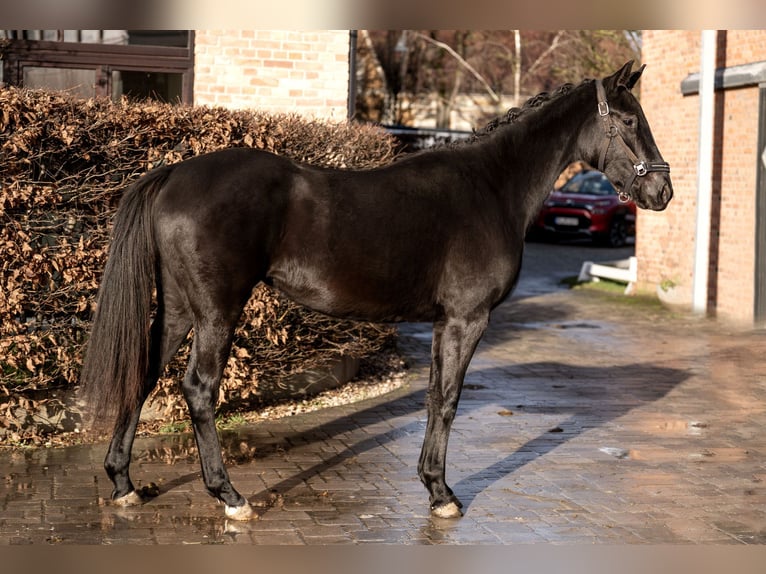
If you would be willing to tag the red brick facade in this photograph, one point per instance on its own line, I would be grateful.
(665, 241)
(273, 70)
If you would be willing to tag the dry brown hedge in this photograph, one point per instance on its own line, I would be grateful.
(63, 165)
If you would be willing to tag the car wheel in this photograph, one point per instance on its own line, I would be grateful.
(617, 235)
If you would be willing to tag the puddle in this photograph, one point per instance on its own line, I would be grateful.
(578, 325)
(616, 452)
(239, 446)
(594, 333)
(663, 425)
(666, 455)
(560, 325)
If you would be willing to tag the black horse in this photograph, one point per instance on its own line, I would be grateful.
(437, 236)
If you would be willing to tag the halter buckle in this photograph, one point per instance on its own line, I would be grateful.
(603, 108)
(641, 168)
(623, 197)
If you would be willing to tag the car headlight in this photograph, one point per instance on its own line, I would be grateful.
(599, 208)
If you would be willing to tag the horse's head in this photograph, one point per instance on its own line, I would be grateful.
(624, 144)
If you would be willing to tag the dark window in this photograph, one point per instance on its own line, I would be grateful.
(177, 38)
(162, 86)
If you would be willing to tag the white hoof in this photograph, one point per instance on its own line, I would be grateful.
(130, 499)
(244, 512)
(449, 510)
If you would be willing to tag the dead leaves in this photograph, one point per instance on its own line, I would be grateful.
(65, 163)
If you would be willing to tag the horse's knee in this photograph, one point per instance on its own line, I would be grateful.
(199, 395)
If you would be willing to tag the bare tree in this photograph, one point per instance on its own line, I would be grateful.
(442, 65)
(517, 67)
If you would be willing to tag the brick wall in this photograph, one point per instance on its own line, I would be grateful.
(274, 70)
(665, 240)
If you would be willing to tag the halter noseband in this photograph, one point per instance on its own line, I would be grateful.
(640, 167)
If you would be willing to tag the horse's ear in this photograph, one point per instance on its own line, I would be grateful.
(622, 77)
(634, 77)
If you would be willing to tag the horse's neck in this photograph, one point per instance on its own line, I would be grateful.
(532, 153)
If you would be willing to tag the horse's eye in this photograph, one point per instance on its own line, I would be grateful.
(630, 122)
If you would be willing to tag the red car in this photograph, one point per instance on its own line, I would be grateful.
(587, 205)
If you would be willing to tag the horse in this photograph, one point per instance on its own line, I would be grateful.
(436, 236)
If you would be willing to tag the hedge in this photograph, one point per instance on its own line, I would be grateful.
(64, 164)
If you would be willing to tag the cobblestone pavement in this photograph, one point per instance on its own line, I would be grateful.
(582, 421)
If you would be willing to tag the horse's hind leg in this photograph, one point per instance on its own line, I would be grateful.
(210, 350)
(454, 342)
(169, 329)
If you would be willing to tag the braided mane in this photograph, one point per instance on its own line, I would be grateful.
(513, 114)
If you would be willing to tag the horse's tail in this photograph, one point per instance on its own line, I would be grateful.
(117, 358)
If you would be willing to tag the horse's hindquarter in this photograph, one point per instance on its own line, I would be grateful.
(217, 219)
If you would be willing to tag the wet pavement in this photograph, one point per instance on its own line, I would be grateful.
(585, 418)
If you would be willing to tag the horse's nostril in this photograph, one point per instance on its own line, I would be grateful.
(666, 194)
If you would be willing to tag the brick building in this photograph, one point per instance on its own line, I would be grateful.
(665, 241)
(274, 70)
(306, 72)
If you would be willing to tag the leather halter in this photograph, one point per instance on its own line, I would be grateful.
(640, 167)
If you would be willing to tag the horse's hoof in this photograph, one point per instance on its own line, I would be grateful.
(130, 499)
(244, 512)
(449, 510)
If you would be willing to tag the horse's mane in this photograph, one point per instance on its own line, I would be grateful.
(514, 114)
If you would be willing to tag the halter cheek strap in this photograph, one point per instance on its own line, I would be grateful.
(640, 167)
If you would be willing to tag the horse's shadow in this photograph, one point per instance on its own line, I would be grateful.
(602, 394)
(598, 395)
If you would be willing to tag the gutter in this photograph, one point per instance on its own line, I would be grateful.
(752, 74)
(351, 106)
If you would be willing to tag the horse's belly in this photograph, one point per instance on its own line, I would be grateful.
(347, 295)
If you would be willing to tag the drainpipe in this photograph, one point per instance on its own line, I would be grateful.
(704, 173)
(352, 36)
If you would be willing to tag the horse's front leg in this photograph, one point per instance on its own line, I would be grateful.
(454, 342)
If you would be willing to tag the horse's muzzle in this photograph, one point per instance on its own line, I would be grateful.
(656, 201)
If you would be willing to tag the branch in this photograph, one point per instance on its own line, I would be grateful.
(463, 63)
(553, 46)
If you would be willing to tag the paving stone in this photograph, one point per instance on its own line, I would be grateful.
(582, 422)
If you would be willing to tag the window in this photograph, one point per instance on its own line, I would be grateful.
(77, 81)
(139, 64)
